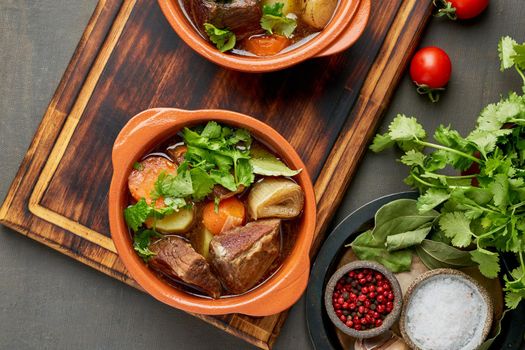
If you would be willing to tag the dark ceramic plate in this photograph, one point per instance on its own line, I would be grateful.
(322, 332)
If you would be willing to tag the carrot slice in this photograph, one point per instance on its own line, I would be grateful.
(141, 181)
(231, 214)
(266, 45)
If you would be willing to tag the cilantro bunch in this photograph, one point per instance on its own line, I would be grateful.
(216, 155)
(482, 208)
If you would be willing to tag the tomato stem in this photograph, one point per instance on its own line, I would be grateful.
(445, 9)
(433, 94)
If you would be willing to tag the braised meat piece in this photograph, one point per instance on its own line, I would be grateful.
(240, 16)
(176, 258)
(242, 255)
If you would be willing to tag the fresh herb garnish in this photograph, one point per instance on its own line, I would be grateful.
(483, 209)
(137, 166)
(141, 242)
(216, 155)
(274, 21)
(224, 39)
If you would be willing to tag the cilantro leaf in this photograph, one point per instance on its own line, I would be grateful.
(506, 52)
(224, 39)
(224, 178)
(136, 214)
(456, 226)
(500, 190)
(244, 173)
(519, 56)
(381, 142)
(431, 199)
(275, 9)
(179, 185)
(274, 21)
(485, 141)
(413, 158)
(494, 116)
(141, 242)
(202, 183)
(405, 128)
(212, 130)
(488, 262)
(512, 299)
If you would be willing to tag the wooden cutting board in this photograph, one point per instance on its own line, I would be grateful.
(129, 59)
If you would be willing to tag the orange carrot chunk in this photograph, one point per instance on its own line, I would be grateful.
(266, 45)
(231, 214)
(142, 179)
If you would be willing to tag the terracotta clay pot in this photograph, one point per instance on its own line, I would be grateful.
(150, 128)
(347, 25)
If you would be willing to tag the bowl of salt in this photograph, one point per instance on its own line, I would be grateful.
(446, 309)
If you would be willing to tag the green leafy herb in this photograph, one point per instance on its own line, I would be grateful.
(265, 163)
(135, 215)
(274, 21)
(367, 247)
(482, 209)
(398, 225)
(437, 255)
(224, 39)
(141, 242)
(456, 226)
(137, 166)
(512, 55)
(408, 238)
(488, 262)
(216, 155)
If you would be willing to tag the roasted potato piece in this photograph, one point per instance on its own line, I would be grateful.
(317, 13)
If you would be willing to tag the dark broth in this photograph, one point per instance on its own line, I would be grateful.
(302, 34)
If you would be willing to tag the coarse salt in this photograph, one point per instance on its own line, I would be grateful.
(446, 313)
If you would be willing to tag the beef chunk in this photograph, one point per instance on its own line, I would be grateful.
(240, 16)
(176, 258)
(242, 255)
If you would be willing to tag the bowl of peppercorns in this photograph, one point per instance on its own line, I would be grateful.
(363, 299)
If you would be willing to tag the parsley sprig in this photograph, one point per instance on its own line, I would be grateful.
(483, 209)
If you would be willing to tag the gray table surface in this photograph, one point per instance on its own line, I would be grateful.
(49, 301)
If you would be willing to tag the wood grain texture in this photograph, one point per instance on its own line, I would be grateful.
(129, 60)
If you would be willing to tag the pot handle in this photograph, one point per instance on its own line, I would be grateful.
(280, 299)
(352, 32)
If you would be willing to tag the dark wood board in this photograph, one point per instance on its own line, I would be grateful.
(129, 59)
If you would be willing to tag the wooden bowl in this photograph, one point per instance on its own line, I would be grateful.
(437, 273)
(144, 132)
(347, 25)
(391, 317)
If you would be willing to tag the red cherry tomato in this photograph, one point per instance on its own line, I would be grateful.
(431, 66)
(463, 9)
(430, 70)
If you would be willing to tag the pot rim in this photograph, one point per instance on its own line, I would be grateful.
(343, 18)
(140, 135)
